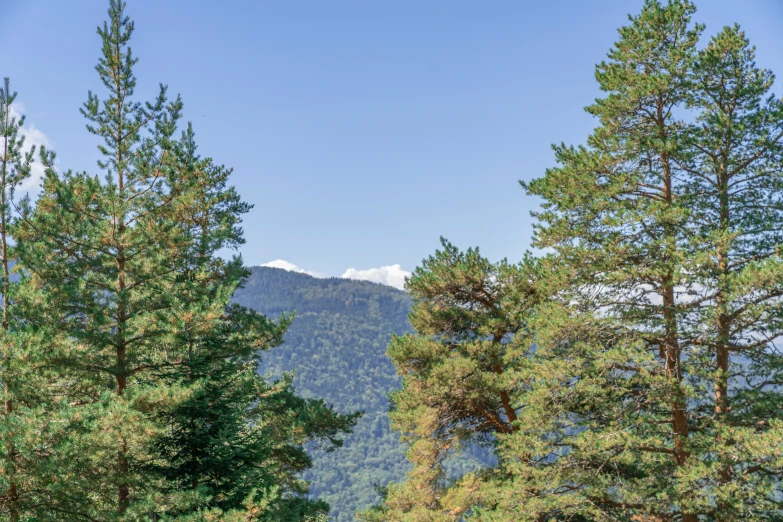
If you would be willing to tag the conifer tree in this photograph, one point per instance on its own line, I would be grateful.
(26, 467)
(15, 165)
(660, 381)
(619, 229)
(653, 393)
(235, 443)
(734, 192)
(461, 375)
(103, 256)
(128, 299)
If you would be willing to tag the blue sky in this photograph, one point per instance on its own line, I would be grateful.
(360, 130)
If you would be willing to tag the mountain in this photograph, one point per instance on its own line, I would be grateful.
(336, 346)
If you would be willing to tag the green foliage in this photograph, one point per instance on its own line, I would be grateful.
(669, 245)
(235, 438)
(630, 373)
(14, 170)
(653, 392)
(137, 377)
(460, 374)
(335, 348)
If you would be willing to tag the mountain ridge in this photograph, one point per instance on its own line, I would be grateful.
(336, 348)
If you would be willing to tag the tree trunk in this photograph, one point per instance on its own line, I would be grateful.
(672, 351)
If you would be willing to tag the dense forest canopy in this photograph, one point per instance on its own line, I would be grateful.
(335, 347)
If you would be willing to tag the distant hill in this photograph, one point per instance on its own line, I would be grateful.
(337, 346)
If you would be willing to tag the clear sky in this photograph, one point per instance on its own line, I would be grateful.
(360, 130)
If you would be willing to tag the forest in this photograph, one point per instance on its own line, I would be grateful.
(335, 348)
(627, 368)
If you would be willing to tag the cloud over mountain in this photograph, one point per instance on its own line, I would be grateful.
(285, 265)
(392, 275)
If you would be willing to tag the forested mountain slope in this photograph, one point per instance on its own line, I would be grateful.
(336, 345)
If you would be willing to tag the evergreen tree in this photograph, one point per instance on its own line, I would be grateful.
(124, 308)
(653, 393)
(659, 393)
(104, 256)
(15, 165)
(734, 191)
(235, 443)
(619, 228)
(461, 375)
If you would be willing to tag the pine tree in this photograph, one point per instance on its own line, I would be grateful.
(15, 166)
(653, 390)
(659, 388)
(613, 215)
(127, 298)
(234, 445)
(103, 256)
(734, 189)
(461, 375)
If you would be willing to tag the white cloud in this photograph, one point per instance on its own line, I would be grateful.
(285, 265)
(32, 136)
(392, 275)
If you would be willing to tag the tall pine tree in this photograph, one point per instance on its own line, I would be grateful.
(128, 300)
(15, 164)
(660, 388)
(104, 255)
